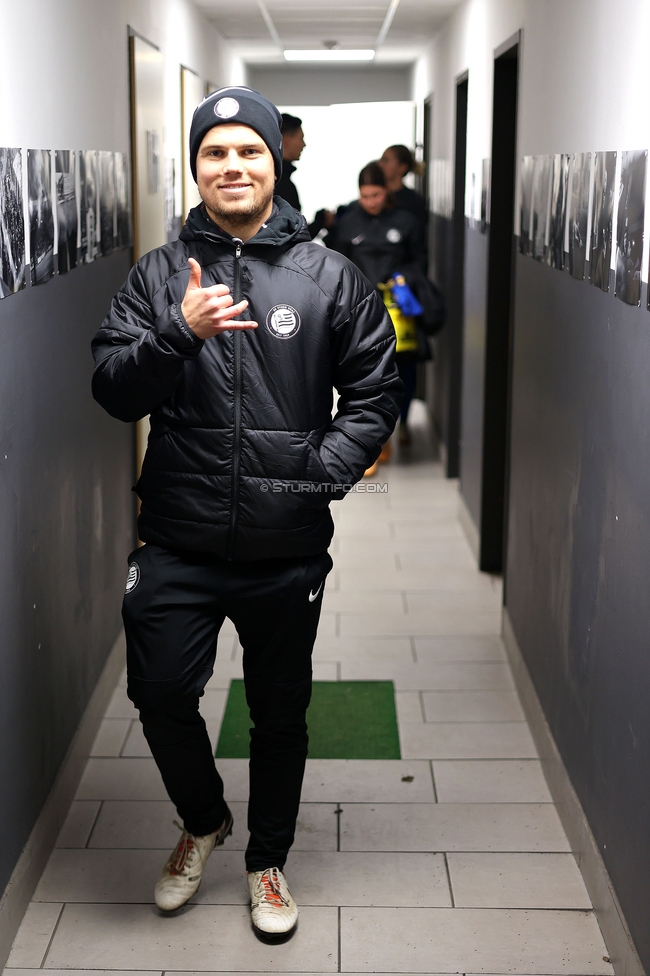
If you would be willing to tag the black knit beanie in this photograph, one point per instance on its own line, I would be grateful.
(242, 105)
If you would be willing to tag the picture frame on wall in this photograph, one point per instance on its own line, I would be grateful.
(66, 209)
(541, 198)
(557, 220)
(123, 216)
(579, 214)
(106, 171)
(629, 227)
(602, 212)
(525, 204)
(12, 223)
(41, 215)
(88, 205)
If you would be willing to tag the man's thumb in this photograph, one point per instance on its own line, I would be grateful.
(195, 275)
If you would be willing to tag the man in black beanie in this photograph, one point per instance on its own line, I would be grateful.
(232, 338)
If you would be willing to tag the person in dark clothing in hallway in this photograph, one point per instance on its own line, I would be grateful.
(396, 162)
(293, 143)
(382, 239)
(232, 338)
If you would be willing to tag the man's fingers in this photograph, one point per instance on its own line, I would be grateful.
(217, 290)
(230, 313)
(236, 325)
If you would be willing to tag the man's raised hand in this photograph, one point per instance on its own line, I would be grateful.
(209, 311)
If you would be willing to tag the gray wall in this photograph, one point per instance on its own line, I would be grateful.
(66, 524)
(473, 386)
(578, 560)
(297, 85)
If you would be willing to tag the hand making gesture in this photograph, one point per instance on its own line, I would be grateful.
(209, 311)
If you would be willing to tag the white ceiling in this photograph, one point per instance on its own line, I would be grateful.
(260, 29)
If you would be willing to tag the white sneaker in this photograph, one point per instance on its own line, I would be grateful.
(274, 913)
(181, 875)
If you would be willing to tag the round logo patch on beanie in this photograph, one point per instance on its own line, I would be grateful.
(283, 321)
(393, 235)
(133, 578)
(226, 108)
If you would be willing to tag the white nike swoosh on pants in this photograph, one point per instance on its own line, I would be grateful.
(312, 596)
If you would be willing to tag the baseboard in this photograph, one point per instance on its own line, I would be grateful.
(469, 528)
(18, 893)
(612, 923)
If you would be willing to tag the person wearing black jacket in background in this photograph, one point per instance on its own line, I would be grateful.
(396, 162)
(232, 338)
(382, 240)
(293, 143)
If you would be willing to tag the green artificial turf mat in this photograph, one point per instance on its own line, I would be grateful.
(346, 720)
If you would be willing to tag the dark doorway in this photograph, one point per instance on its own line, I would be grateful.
(498, 344)
(453, 331)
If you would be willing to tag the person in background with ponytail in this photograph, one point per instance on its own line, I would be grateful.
(396, 162)
(383, 240)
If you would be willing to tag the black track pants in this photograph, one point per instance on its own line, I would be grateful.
(173, 609)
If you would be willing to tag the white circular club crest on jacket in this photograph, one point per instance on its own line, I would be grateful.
(283, 321)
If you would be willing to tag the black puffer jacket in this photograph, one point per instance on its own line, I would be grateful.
(379, 245)
(243, 452)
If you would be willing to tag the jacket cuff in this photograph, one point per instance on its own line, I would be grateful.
(172, 326)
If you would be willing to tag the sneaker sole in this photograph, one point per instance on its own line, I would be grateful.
(274, 938)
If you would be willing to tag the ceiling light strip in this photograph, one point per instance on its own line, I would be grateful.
(268, 20)
(336, 55)
(388, 20)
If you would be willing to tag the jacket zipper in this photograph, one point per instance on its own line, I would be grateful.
(236, 454)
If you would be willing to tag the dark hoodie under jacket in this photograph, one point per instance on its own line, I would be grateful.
(243, 455)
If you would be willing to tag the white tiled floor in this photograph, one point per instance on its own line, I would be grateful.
(450, 860)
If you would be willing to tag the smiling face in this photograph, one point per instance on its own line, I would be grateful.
(373, 198)
(235, 175)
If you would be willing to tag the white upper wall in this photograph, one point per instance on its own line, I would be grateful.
(584, 76)
(64, 69)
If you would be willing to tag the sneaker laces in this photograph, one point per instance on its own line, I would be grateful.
(184, 849)
(272, 888)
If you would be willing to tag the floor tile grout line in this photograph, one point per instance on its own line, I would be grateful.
(405, 601)
(51, 939)
(433, 782)
(414, 650)
(120, 754)
(423, 707)
(339, 924)
(451, 890)
(92, 829)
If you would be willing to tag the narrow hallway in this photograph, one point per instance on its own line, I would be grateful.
(451, 859)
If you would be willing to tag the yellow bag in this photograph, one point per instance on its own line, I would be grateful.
(404, 325)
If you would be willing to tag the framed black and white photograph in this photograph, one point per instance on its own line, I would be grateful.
(172, 219)
(602, 212)
(629, 227)
(485, 194)
(122, 205)
(66, 209)
(12, 223)
(540, 205)
(88, 204)
(557, 222)
(525, 201)
(106, 169)
(579, 214)
(41, 215)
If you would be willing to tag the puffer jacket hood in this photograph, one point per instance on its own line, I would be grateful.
(284, 227)
(243, 456)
